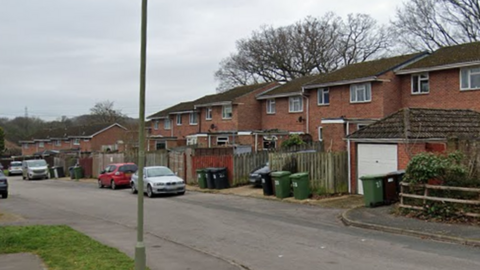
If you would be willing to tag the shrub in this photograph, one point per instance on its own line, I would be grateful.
(293, 140)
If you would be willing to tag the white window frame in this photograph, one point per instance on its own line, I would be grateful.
(363, 88)
(468, 72)
(321, 93)
(76, 141)
(320, 134)
(167, 124)
(155, 125)
(25, 146)
(179, 119)
(208, 114)
(41, 144)
(193, 118)
(223, 139)
(58, 143)
(417, 80)
(271, 106)
(192, 140)
(292, 101)
(225, 112)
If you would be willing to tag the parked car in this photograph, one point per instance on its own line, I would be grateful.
(255, 176)
(158, 180)
(34, 169)
(3, 185)
(15, 168)
(115, 175)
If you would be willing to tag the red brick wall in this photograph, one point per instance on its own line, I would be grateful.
(444, 92)
(217, 120)
(333, 135)
(282, 119)
(107, 137)
(407, 151)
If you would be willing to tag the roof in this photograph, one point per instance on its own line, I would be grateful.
(369, 69)
(180, 107)
(232, 94)
(423, 124)
(464, 53)
(292, 87)
(75, 131)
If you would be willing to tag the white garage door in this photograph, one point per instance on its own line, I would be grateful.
(375, 159)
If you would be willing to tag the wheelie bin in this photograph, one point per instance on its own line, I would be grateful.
(202, 178)
(373, 193)
(220, 178)
(301, 185)
(267, 184)
(209, 176)
(283, 185)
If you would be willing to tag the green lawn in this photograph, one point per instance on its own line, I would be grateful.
(61, 247)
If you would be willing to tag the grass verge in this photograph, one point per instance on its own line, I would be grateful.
(61, 247)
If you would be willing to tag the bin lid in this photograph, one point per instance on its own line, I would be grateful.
(399, 172)
(201, 170)
(280, 173)
(373, 177)
(218, 169)
(299, 175)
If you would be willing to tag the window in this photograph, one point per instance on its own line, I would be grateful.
(470, 78)
(208, 115)
(41, 144)
(420, 84)
(25, 146)
(295, 104)
(58, 143)
(76, 142)
(323, 96)
(192, 140)
(222, 140)
(155, 125)
(320, 133)
(160, 145)
(193, 118)
(227, 112)
(269, 143)
(271, 106)
(360, 92)
(179, 119)
(167, 123)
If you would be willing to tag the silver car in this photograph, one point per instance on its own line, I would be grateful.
(158, 180)
(34, 169)
(15, 168)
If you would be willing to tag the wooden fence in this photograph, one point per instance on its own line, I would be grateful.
(422, 194)
(201, 162)
(328, 172)
(244, 164)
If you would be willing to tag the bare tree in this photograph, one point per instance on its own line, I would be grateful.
(103, 112)
(430, 24)
(310, 46)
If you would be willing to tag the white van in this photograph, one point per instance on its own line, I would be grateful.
(34, 169)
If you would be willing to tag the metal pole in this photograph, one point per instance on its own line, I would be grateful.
(140, 254)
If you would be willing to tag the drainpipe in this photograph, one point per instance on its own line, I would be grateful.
(348, 160)
(307, 114)
(256, 142)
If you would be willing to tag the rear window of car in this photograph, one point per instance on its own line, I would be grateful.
(16, 163)
(128, 168)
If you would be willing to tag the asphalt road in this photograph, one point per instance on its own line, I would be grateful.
(212, 231)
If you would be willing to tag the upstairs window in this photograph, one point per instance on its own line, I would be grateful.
(295, 104)
(323, 96)
(167, 123)
(179, 119)
(41, 144)
(58, 143)
(193, 119)
(470, 78)
(155, 125)
(271, 106)
(360, 93)
(227, 112)
(420, 84)
(208, 115)
(76, 142)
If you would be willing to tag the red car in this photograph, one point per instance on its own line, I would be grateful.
(118, 174)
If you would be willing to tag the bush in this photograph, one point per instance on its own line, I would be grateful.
(446, 168)
(293, 140)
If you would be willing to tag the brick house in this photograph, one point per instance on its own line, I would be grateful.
(94, 138)
(220, 119)
(389, 144)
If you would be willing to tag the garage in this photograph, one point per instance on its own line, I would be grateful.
(375, 159)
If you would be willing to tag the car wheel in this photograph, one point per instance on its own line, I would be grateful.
(100, 185)
(181, 193)
(134, 190)
(112, 185)
(149, 191)
(5, 195)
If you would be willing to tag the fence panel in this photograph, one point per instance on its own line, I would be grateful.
(87, 165)
(177, 163)
(201, 162)
(243, 164)
(101, 160)
(328, 172)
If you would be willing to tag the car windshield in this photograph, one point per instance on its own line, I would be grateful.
(37, 163)
(159, 171)
(16, 163)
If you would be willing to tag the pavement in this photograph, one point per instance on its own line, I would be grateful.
(379, 218)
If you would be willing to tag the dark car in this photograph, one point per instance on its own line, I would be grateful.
(256, 175)
(3, 185)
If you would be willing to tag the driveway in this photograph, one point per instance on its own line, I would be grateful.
(215, 231)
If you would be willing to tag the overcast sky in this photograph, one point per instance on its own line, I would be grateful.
(60, 57)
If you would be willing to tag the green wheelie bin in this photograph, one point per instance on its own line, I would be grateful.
(283, 185)
(78, 172)
(301, 185)
(202, 178)
(373, 189)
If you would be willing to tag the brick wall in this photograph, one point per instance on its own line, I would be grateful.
(282, 119)
(108, 137)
